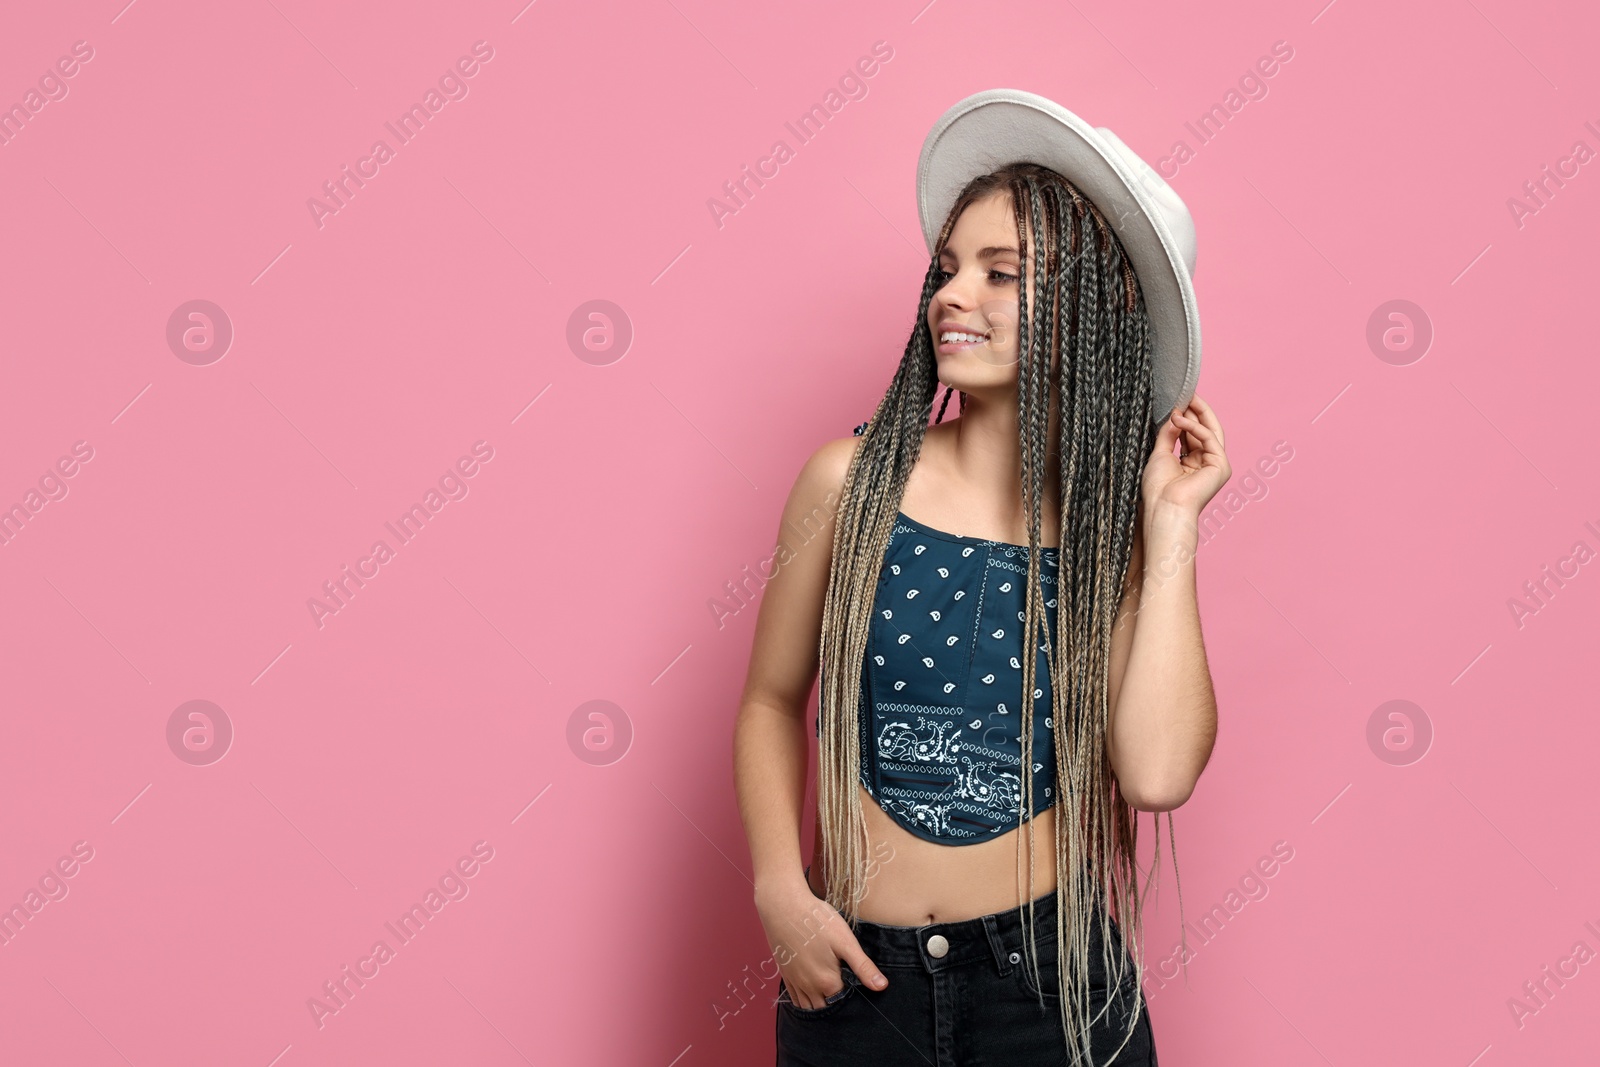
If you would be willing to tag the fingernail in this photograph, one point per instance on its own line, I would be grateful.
(880, 981)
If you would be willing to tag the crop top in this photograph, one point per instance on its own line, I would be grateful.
(941, 723)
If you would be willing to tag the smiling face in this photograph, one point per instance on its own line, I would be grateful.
(973, 315)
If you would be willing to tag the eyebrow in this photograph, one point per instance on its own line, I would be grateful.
(986, 253)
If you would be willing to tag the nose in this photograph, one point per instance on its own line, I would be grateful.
(953, 294)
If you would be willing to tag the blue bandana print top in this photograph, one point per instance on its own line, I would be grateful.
(941, 719)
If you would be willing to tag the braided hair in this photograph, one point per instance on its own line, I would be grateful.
(1085, 345)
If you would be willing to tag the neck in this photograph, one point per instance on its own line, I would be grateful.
(985, 456)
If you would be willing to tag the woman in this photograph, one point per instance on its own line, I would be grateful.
(931, 551)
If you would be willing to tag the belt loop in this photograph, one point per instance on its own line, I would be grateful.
(1001, 959)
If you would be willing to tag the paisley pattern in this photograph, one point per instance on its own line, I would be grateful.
(942, 685)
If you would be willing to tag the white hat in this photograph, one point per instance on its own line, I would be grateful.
(987, 130)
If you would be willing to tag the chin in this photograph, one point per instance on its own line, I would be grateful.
(986, 390)
(975, 376)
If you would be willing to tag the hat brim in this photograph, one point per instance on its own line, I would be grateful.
(998, 126)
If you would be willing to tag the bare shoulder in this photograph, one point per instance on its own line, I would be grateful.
(820, 483)
(783, 660)
(807, 527)
(808, 514)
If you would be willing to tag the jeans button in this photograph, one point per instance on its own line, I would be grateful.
(1016, 957)
(938, 945)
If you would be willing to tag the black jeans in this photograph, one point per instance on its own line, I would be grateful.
(967, 1000)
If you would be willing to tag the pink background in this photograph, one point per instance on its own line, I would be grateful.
(432, 311)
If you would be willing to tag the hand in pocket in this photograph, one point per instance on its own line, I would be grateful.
(810, 939)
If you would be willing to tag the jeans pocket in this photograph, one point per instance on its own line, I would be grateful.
(831, 1004)
(1048, 981)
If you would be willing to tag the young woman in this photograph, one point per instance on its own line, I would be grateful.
(949, 884)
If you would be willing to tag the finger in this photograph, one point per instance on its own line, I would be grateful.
(809, 997)
(816, 996)
(1208, 415)
(1197, 431)
(1201, 444)
(1207, 452)
(796, 996)
(1188, 443)
(819, 999)
(865, 969)
(1166, 437)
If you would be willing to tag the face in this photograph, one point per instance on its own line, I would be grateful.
(973, 316)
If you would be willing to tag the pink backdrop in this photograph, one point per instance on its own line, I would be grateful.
(190, 475)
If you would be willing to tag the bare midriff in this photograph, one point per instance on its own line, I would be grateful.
(914, 881)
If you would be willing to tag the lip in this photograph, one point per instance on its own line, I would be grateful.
(948, 325)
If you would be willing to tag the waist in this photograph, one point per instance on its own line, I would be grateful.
(912, 880)
(993, 936)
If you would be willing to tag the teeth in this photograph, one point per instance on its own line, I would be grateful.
(959, 338)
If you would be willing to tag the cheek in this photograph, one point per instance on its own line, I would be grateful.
(999, 315)
(1000, 357)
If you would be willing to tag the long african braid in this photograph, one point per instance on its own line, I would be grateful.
(1086, 342)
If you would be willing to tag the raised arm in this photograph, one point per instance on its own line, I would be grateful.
(1163, 709)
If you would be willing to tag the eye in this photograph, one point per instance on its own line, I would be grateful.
(996, 277)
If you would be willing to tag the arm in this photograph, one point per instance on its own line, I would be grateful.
(1164, 712)
(771, 748)
(1163, 708)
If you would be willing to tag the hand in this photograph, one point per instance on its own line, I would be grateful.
(809, 939)
(1186, 484)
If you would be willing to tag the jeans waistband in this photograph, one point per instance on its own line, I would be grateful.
(939, 946)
